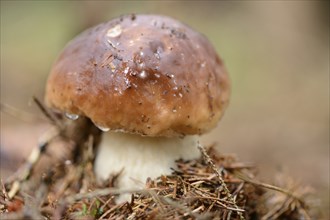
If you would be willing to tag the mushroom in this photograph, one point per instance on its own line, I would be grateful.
(151, 83)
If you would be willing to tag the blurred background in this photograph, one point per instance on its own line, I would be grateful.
(277, 54)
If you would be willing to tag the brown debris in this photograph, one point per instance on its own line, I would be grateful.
(214, 186)
(193, 191)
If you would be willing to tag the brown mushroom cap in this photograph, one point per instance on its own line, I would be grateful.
(145, 74)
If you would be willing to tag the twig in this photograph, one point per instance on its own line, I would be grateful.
(267, 186)
(277, 211)
(109, 211)
(47, 113)
(303, 212)
(106, 203)
(222, 182)
(157, 200)
(14, 189)
(4, 191)
(25, 171)
(180, 206)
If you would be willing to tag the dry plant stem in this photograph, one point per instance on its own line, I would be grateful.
(303, 212)
(194, 191)
(187, 210)
(25, 171)
(277, 211)
(14, 189)
(96, 193)
(48, 113)
(268, 186)
(109, 191)
(4, 191)
(222, 182)
(157, 201)
(73, 131)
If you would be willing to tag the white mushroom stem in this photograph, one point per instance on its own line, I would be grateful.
(140, 157)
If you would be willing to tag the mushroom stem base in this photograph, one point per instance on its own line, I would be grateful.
(136, 158)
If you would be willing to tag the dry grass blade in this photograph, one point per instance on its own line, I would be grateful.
(25, 171)
(268, 186)
(223, 184)
(195, 190)
(48, 113)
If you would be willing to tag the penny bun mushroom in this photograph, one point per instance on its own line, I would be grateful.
(151, 83)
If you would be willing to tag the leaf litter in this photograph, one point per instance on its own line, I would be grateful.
(214, 186)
